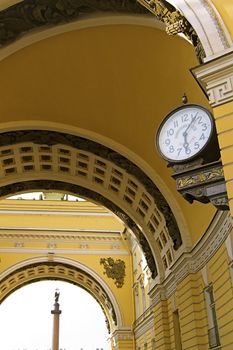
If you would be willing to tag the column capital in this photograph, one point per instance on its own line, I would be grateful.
(216, 79)
(123, 333)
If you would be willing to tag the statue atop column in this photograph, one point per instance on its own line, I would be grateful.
(57, 294)
(56, 314)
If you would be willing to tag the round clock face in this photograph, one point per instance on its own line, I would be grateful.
(184, 133)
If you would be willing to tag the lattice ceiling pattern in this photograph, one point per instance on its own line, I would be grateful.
(27, 161)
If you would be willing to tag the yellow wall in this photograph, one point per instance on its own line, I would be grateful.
(120, 92)
(225, 9)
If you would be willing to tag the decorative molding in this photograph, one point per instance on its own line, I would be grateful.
(48, 212)
(216, 79)
(61, 238)
(208, 25)
(203, 182)
(123, 333)
(194, 261)
(63, 251)
(175, 22)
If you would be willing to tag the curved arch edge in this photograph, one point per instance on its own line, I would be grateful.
(29, 273)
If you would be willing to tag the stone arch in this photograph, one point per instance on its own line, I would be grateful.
(49, 268)
(198, 20)
(40, 159)
(208, 24)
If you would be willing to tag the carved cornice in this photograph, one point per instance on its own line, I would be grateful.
(195, 260)
(51, 248)
(122, 334)
(48, 235)
(216, 79)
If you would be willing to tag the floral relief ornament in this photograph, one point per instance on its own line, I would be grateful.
(114, 269)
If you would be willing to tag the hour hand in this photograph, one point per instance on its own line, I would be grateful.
(185, 144)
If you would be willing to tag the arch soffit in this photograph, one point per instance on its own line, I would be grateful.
(57, 268)
(198, 20)
(78, 165)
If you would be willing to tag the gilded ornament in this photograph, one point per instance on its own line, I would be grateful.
(175, 22)
(114, 269)
(213, 174)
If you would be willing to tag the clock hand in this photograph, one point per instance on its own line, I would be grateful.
(188, 127)
(185, 133)
(185, 144)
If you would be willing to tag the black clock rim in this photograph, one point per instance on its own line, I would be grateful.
(183, 107)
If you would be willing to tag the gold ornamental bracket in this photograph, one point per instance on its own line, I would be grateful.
(175, 22)
(203, 183)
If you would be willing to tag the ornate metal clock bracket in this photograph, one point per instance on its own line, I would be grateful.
(204, 183)
(175, 22)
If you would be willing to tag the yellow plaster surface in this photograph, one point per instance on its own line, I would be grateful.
(80, 79)
(225, 9)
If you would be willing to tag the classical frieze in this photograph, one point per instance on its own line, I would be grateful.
(216, 79)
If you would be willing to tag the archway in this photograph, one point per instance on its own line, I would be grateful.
(62, 269)
(26, 313)
(72, 164)
(199, 22)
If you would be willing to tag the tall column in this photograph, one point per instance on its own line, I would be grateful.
(56, 315)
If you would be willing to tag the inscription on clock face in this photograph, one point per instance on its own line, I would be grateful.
(185, 133)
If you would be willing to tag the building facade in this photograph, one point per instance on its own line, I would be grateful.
(84, 88)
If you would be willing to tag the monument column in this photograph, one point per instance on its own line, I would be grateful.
(56, 315)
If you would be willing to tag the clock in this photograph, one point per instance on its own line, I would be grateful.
(185, 133)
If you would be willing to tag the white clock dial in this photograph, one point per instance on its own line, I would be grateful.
(184, 133)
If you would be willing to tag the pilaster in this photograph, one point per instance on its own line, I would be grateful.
(123, 339)
(162, 333)
(216, 79)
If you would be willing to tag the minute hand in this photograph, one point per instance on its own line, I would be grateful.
(188, 127)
